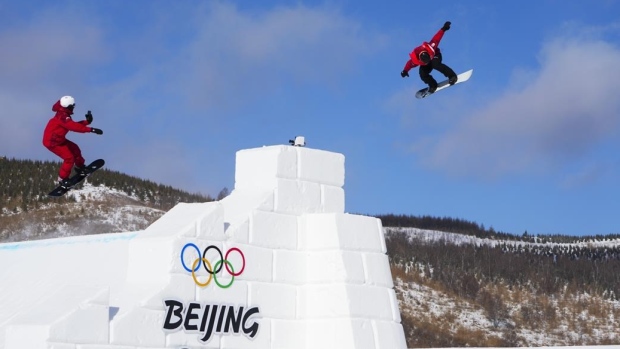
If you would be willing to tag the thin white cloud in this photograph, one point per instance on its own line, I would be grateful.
(239, 56)
(566, 110)
(48, 47)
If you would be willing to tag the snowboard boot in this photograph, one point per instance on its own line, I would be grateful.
(432, 88)
(65, 183)
(453, 79)
(82, 171)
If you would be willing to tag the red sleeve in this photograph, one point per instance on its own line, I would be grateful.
(437, 38)
(71, 125)
(409, 65)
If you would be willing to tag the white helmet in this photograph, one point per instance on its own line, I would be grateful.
(67, 101)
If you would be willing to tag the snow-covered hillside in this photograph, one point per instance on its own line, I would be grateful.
(459, 239)
(462, 306)
(88, 209)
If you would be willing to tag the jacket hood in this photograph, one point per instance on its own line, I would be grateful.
(57, 108)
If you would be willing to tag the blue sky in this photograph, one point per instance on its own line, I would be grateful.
(531, 142)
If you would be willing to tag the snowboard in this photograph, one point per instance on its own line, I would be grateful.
(444, 84)
(73, 181)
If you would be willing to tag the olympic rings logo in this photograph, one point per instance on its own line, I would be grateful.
(216, 268)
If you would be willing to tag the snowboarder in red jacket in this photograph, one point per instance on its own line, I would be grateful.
(428, 57)
(54, 137)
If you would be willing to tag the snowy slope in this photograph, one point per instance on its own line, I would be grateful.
(575, 317)
(92, 209)
(87, 266)
(459, 239)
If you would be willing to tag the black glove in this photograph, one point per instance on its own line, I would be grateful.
(89, 117)
(404, 73)
(96, 130)
(446, 26)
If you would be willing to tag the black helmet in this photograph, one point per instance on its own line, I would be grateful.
(425, 57)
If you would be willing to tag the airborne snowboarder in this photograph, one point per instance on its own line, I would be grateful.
(428, 57)
(54, 138)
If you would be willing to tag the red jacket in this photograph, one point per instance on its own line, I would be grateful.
(430, 47)
(60, 124)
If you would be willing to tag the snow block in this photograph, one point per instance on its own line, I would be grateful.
(60, 346)
(340, 333)
(273, 230)
(388, 334)
(177, 286)
(237, 293)
(210, 225)
(289, 267)
(276, 301)
(295, 267)
(335, 266)
(87, 324)
(203, 220)
(152, 259)
(239, 232)
(341, 231)
(377, 269)
(73, 313)
(259, 168)
(321, 166)
(26, 336)
(289, 334)
(329, 333)
(337, 300)
(124, 329)
(263, 338)
(394, 304)
(332, 199)
(258, 264)
(297, 197)
(183, 340)
(239, 204)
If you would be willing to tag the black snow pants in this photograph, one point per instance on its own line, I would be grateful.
(425, 70)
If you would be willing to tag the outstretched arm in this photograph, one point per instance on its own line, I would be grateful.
(437, 38)
(71, 125)
(409, 65)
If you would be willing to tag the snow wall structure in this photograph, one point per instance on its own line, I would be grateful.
(276, 264)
